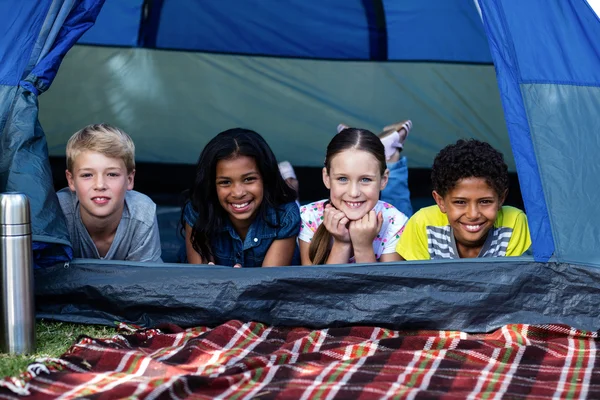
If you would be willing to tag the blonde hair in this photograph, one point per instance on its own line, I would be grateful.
(104, 139)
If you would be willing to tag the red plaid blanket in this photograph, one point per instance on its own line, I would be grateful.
(251, 360)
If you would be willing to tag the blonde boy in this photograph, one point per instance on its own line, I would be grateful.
(105, 217)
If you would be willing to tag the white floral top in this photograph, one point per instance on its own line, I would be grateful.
(384, 243)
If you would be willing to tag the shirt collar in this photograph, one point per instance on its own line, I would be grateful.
(259, 227)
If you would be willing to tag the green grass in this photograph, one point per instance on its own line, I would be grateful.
(52, 340)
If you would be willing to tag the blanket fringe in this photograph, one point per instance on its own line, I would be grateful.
(20, 384)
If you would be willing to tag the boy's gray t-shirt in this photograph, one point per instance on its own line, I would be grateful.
(137, 237)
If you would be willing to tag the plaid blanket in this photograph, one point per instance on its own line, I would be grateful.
(240, 360)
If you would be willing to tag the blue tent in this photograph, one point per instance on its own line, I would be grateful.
(175, 73)
(35, 36)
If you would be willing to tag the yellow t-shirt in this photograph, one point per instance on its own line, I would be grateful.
(428, 235)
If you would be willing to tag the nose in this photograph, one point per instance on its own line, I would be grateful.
(100, 183)
(238, 190)
(472, 211)
(354, 190)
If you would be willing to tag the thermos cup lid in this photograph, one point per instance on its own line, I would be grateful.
(14, 209)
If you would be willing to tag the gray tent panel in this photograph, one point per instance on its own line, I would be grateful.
(172, 103)
(467, 295)
(564, 122)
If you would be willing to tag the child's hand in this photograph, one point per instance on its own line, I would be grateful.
(336, 223)
(235, 266)
(364, 230)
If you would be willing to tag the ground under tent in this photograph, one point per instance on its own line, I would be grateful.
(549, 102)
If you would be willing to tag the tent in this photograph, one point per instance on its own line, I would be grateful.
(174, 73)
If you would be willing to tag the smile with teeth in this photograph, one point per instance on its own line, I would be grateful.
(100, 199)
(240, 205)
(354, 204)
(473, 228)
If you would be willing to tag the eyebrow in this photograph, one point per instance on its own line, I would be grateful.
(362, 176)
(479, 198)
(106, 169)
(243, 176)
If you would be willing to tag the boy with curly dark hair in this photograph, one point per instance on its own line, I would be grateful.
(470, 184)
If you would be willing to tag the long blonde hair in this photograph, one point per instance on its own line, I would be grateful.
(348, 139)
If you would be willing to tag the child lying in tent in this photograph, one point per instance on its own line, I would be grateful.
(106, 219)
(353, 225)
(241, 212)
(470, 182)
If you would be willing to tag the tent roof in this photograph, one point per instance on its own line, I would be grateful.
(439, 30)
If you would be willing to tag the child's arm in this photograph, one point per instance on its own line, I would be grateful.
(336, 223)
(192, 255)
(308, 227)
(304, 259)
(340, 253)
(148, 247)
(280, 252)
(362, 234)
(390, 257)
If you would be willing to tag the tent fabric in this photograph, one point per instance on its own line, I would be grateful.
(24, 168)
(293, 28)
(295, 104)
(117, 24)
(26, 18)
(450, 295)
(569, 56)
(564, 128)
(549, 89)
(65, 23)
(440, 30)
(39, 34)
(437, 30)
(501, 43)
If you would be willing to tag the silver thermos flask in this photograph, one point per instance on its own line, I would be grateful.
(17, 311)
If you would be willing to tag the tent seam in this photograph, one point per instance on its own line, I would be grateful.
(559, 82)
(262, 55)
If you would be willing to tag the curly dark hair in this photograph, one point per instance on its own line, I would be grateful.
(469, 159)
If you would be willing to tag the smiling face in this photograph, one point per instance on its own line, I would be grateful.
(239, 190)
(100, 183)
(354, 180)
(472, 207)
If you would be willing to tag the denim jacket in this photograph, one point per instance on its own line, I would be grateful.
(228, 248)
